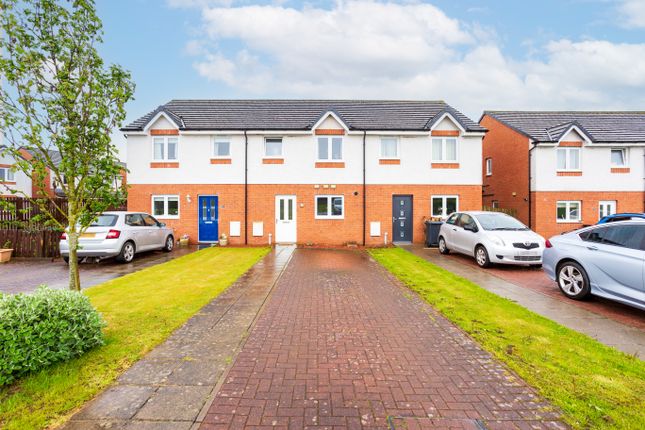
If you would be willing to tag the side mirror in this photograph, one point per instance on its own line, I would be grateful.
(471, 227)
(162, 224)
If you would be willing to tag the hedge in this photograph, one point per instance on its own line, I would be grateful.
(37, 330)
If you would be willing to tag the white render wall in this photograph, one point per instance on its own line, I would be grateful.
(23, 182)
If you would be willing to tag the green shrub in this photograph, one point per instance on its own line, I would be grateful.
(48, 326)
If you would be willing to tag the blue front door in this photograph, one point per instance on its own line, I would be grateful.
(208, 219)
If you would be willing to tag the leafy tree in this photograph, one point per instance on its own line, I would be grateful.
(57, 94)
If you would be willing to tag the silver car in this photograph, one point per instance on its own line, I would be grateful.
(606, 260)
(121, 235)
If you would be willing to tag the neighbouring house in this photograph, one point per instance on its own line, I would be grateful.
(562, 170)
(305, 171)
(11, 180)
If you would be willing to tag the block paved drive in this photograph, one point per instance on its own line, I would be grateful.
(340, 344)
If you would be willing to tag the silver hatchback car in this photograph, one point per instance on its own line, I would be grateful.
(606, 260)
(121, 235)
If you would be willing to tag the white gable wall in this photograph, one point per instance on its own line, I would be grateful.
(23, 182)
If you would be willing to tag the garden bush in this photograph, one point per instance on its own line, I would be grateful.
(40, 329)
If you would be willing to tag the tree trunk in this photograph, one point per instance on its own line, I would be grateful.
(74, 275)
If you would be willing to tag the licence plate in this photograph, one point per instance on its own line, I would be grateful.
(87, 235)
(527, 253)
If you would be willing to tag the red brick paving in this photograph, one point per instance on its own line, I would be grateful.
(341, 345)
(536, 280)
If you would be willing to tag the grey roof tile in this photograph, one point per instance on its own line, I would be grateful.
(600, 127)
(303, 114)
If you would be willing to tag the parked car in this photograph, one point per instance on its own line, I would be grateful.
(491, 237)
(606, 260)
(121, 235)
(621, 217)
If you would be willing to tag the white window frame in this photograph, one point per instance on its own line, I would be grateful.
(625, 159)
(612, 203)
(568, 220)
(398, 148)
(329, 199)
(281, 147)
(220, 139)
(444, 198)
(54, 181)
(444, 141)
(489, 166)
(165, 206)
(567, 158)
(165, 149)
(330, 150)
(8, 172)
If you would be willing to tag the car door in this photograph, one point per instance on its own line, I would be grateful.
(614, 258)
(154, 233)
(463, 238)
(450, 229)
(136, 230)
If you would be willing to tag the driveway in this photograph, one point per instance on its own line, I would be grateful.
(24, 275)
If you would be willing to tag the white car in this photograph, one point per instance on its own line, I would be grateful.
(491, 237)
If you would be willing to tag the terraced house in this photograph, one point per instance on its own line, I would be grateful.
(562, 170)
(305, 171)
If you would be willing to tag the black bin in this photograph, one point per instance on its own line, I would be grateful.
(432, 233)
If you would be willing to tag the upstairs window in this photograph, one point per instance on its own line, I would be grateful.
(273, 147)
(444, 150)
(221, 147)
(389, 147)
(489, 166)
(618, 157)
(7, 175)
(568, 159)
(330, 148)
(165, 148)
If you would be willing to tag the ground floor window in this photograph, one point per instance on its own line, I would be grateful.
(442, 206)
(606, 208)
(166, 206)
(568, 211)
(330, 207)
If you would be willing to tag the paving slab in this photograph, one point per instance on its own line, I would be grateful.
(170, 386)
(623, 336)
(342, 344)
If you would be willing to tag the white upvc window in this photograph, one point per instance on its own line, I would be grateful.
(330, 207)
(389, 148)
(444, 150)
(330, 148)
(489, 166)
(165, 206)
(568, 211)
(606, 208)
(164, 148)
(273, 147)
(221, 147)
(568, 159)
(618, 157)
(7, 174)
(442, 206)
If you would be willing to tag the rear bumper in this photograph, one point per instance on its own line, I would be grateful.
(101, 249)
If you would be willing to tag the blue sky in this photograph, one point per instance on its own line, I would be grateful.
(475, 54)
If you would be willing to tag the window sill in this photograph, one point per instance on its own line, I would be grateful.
(166, 216)
(330, 217)
(330, 165)
(444, 165)
(164, 164)
(273, 160)
(569, 173)
(620, 170)
(8, 182)
(390, 161)
(568, 222)
(221, 161)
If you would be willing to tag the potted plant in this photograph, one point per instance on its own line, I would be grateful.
(183, 240)
(5, 252)
(223, 240)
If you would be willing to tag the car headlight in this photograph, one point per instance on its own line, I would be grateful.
(497, 240)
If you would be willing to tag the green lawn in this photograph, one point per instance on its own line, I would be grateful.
(595, 386)
(142, 309)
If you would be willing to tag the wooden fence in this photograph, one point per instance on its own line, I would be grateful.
(31, 243)
(511, 212)
(21, 213)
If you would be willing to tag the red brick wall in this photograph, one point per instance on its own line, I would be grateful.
(509, 151)
(261, 201)
(544, 208)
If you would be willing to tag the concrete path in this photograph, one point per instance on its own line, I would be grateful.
(624, 337)
(340, 344)
(168, 388)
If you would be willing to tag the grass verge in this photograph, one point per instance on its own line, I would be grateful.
(595, 386)
(142, 309)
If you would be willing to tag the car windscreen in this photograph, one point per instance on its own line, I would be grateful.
(105, 220)
(499, 222)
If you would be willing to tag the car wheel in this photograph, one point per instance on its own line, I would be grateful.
(443, 247)
(573, 281)
(481, 257)
(127, 253)
(170, 244)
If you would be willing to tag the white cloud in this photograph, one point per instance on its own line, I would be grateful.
(408, 50)
(633, 13)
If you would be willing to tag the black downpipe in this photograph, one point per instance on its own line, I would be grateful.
(529, 200)
(246, 189)
(364, 190)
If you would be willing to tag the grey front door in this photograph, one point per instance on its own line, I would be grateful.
(401, 218)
